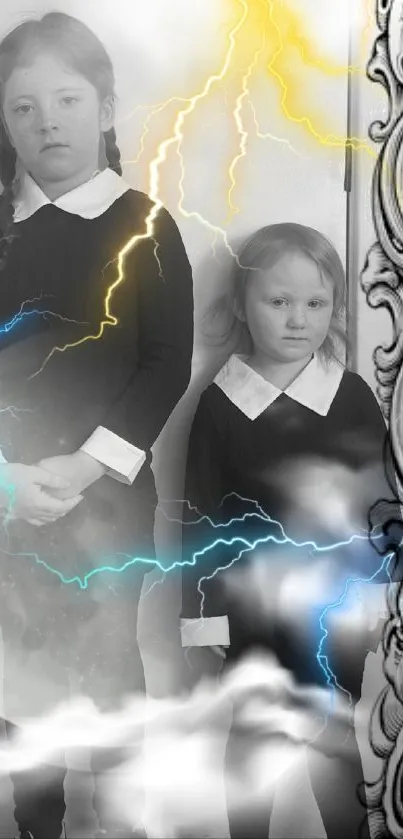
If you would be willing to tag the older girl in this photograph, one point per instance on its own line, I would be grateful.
(82, 417)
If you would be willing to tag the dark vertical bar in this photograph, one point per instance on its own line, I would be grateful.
(351, 221)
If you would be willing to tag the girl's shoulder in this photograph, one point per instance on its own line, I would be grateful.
(142, 202)
(355, 388)
(134, 199)
(212, 398)
(136, 208)
(213, 407)
(357, 402)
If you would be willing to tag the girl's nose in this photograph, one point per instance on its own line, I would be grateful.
(46, 121)
(297, 317)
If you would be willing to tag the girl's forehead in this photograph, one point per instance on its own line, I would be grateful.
(292, 269)
(45, 69)
(289, 262)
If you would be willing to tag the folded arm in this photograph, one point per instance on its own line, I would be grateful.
(158, 293)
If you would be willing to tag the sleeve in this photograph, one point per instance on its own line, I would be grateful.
(203, 618)
(163, 291)
(121, 459)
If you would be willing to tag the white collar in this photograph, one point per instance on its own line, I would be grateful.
(315, 387)
(89, 200)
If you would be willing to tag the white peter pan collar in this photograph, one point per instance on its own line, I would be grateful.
(89, 200)
(315, 387)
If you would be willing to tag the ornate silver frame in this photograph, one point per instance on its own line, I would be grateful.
(382, 281)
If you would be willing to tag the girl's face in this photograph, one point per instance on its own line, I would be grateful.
(288, 309)
(54, 119)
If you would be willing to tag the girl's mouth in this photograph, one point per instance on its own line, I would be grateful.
(49, 146)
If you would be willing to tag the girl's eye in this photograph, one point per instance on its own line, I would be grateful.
(69, 100)
(278, 302)
(23, 109)
(316, 304)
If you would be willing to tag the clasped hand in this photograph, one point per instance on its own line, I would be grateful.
(45, 492)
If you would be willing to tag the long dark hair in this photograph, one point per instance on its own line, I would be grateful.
(260, 251)
(77, 45)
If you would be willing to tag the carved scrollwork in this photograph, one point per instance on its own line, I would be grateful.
(382, 282)
(382, 277)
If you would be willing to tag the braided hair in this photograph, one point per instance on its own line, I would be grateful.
(8, 161)
(112, 151)
(80, 48)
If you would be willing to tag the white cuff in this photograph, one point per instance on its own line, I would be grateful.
(205, 632)
(122, 460)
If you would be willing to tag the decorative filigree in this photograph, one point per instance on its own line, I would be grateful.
(382, 281)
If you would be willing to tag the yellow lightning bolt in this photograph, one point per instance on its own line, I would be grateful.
(157, 105)
(154, 110)
(267, 135)
(324, 139)
(243, 134)
(109, 318)
(177, 136)
(307, 49)
(145, 132)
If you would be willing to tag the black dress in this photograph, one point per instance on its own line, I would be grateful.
(55, 618)
(271, 463)
(312, 459)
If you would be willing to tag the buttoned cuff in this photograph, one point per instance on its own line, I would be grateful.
(205, 632)
(122, 460)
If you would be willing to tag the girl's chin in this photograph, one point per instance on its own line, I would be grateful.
(292, 350)
(56, 169)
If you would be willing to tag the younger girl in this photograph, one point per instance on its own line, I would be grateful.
(88, 413)
(286, 432)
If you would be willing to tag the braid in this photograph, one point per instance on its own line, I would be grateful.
(112, 151)
(8, 160)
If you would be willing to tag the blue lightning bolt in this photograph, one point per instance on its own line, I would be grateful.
(23, 313)
(83, 582)
(322, 659)
(220, 541)
(259, 514)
